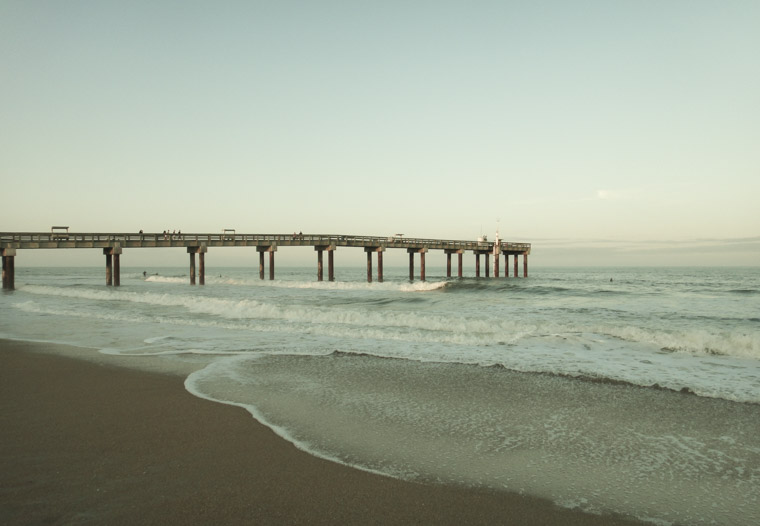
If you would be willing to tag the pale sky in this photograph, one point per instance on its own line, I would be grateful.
(603, 132)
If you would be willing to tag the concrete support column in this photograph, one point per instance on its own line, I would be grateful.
(6, 262)
(109, 269)
(496, 265)
(506, 265)
(112, 273)
(9, 271)
(525, 264)
(266, 248)
(449, 252)
(192, 267)
(320, 261)
(369, 251)
(200, 250)
(477, 264)
(421, 252)
(515, 269)
(116, 270)
(488, 265)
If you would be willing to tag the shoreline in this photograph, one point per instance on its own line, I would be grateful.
(93, 443)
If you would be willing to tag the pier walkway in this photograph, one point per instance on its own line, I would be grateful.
(113, 244)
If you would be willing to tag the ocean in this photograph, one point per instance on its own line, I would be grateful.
(614, 390)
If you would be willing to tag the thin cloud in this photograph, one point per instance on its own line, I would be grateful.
(607, 195)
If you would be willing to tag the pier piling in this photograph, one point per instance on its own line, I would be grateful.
(192, 267)
(109, 269)
(487, 256)
(330, 271)
(421, 252)
(266, 248)
(9, 256)
(200, 250)
(369, 251)
(113, 267)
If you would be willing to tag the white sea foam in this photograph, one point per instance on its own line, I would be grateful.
(419, 286)
(428, 327)
(722, 364)
(167, 279)
(654, 327)
(192, 384)
(642, 453)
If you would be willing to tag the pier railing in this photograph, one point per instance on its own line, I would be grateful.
(198, 244)
(29, 240)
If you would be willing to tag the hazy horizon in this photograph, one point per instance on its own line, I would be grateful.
(219, 257)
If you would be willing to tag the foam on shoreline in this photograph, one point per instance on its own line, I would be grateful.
(126, 442)
(603, 447)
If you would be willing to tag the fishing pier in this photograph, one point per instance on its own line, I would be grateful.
(114, 244)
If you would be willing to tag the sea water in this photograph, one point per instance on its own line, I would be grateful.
(613, 390)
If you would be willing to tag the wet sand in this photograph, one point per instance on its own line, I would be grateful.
(88, 443)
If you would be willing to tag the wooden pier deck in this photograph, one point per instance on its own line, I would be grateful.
(113, 245)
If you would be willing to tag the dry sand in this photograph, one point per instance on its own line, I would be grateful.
(82, 443)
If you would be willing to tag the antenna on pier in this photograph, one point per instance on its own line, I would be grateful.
(496, 242)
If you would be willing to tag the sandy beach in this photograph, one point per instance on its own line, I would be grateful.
(86, 443)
